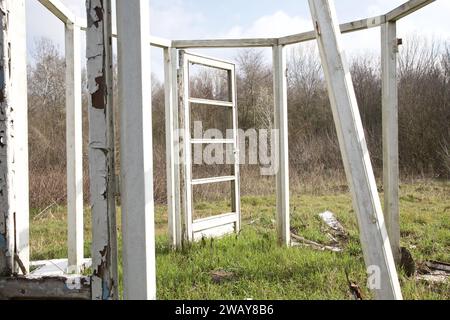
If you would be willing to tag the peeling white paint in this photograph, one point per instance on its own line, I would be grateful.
(14, 212)
(101, 150)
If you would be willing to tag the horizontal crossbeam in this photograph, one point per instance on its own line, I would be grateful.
(65, 15)
(212, 141)
(213, 180)
(406, 9)
(215, 221)
(217, 103)
(45, 288)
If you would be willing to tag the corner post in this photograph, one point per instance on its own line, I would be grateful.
(383, 279)
(282, 146)
(14, 201)
(139, 270)
(101, 150)
(389, 50)
(74, 141)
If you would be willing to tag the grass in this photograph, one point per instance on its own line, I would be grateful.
(262, 270)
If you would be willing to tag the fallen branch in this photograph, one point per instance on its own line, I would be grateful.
(44, 211)
(315, 245)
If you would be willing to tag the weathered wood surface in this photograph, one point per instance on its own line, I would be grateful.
(366, 202)
(60, 10)
(406, 9)
(225, 43)
(185, 149)
(389, 50)
(14, 208)
(45, 288)
(101, 150)
(282, 144)
(138, 212)
(74, 148)
(345, 28)
(172, 148)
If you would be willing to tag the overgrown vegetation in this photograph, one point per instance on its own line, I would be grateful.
(315, 159)
(252, 264)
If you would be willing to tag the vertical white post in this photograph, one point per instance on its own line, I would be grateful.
(101, 150)
(389, 50)
(14, 210)
(133, 25)
(74, 141)
(235, 185)
(282, 146)
(172, 150)
(380, 264)
(185, 150)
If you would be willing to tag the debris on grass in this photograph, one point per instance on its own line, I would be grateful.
(354, 288)
(313, 244)
(330, 220)
(336, 236)
(434, 272)
(219, 276)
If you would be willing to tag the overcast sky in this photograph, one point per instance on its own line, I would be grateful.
(203, 19)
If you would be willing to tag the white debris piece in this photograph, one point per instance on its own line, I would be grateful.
(329, 218)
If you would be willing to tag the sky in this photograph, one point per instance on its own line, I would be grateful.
(203, 19)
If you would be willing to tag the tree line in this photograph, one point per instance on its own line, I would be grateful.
(424, 115)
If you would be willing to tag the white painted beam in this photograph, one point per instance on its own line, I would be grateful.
(378, 256)
(406, 9)
(345, 28)
(282, 145)
(389, 50)
(14, 207)
(60, 11)
(172, 148)
(101, 150)
(225, 43)
(160, 42)
(74, 149)
(133, 25)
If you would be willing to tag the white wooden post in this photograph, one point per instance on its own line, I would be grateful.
(14, 211)
(234, 124)
(282, 146)
(380, 264)
(172, 150)
(74, 141)
(133, 25)
(101, 150)
(185, 150)
(389, 49)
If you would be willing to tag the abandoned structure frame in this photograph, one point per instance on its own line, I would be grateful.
(380, 234)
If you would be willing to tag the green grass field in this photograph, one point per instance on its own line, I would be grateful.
(257, 268)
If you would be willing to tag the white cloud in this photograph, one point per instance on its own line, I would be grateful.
(275, 25)
(172, 20)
